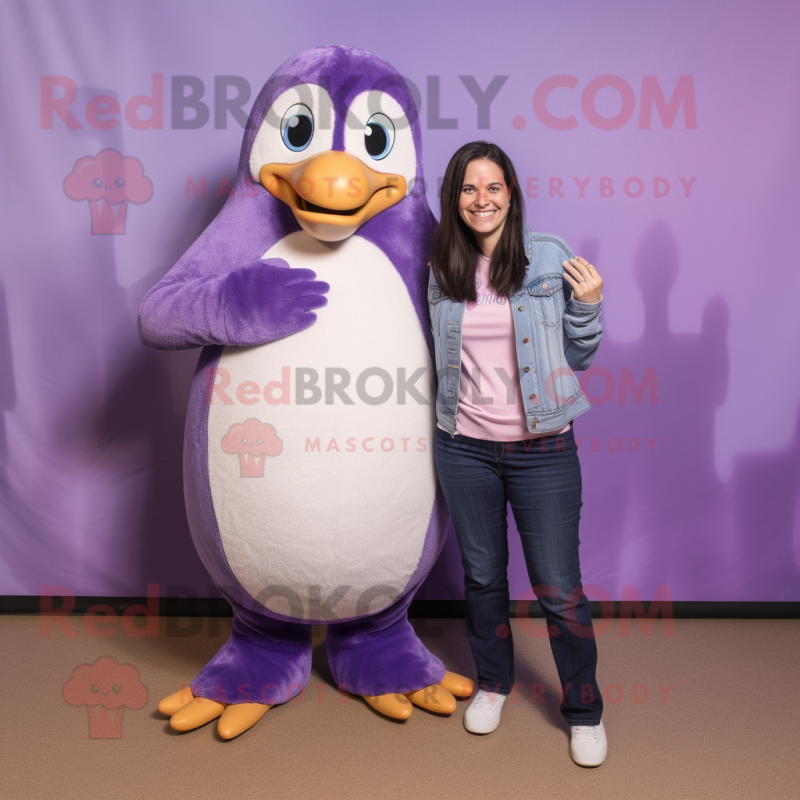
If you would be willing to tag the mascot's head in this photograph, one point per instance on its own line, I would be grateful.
(335, 136)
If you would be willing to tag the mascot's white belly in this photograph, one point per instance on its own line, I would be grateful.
(335, 526)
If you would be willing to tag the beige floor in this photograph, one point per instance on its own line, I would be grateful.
(729, 727)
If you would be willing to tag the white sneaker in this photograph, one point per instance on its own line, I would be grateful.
(588, 746)
(483, 714)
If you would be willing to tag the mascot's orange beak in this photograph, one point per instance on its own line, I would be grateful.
(332, 194)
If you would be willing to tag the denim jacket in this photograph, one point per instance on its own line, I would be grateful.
(555, 335)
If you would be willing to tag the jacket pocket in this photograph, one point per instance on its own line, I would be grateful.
(547, 298)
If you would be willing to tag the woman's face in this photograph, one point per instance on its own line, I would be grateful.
(485, 198)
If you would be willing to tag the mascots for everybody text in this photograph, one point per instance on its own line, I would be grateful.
(309, 477)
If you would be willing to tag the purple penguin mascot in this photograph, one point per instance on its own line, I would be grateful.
(308, 467)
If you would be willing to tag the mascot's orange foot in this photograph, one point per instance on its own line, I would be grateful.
(238, 718)
(438, 698)
(187, 712)
(457, 684)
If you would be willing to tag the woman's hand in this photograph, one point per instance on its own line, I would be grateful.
(585, 281)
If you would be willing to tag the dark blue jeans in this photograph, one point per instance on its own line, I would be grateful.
(541, 479)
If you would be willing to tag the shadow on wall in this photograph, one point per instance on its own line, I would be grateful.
(123, 428)
(9, 543)
(134, 425)
(655, 513)
(766, 512)
(658, 514)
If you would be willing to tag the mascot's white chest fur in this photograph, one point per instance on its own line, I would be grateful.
(334, 524)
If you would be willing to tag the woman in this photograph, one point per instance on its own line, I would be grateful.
(513, 313)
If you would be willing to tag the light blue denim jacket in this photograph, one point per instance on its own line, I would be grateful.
(555, 335)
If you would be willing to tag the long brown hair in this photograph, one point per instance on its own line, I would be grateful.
(455, 249)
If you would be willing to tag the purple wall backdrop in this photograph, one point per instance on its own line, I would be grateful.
(691, 455)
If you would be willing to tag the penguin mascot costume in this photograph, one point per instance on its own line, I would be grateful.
(308, 461)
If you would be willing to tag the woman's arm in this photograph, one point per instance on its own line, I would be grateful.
(583, 330)
(582, 326)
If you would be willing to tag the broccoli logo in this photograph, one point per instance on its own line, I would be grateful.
(106, 688)
(109, 182)
(253, 441)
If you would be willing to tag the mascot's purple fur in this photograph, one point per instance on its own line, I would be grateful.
(309, 478)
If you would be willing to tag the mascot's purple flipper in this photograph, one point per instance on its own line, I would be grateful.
(308, 462)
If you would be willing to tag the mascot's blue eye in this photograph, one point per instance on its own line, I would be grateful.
(97, 182)
(379, 136)
(119, 183)
(297, 127)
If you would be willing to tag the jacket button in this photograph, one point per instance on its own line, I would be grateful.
(527, 369)
(533, 424)
(544, 286)
(524, 341)
(533, 397)
(522, 308)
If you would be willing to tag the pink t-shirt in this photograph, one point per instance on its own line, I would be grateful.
(490, 399)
